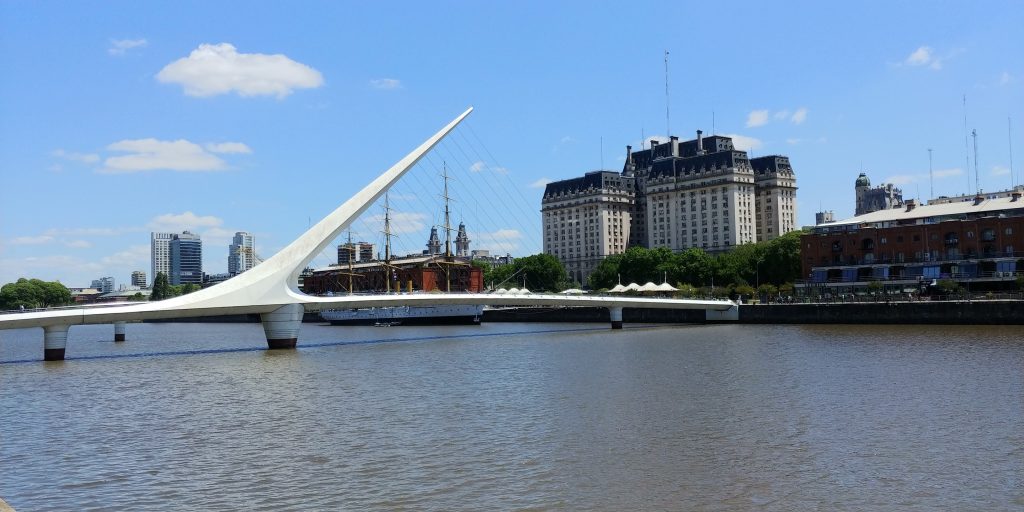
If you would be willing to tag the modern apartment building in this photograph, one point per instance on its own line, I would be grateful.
(160, 253)
(103, 284)
(186, 259)
(701, 193)
(139, 279)
(241, 253)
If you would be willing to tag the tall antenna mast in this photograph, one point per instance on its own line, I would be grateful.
(602, 152)
(668, 125)
(977, 182)
(931, 179)
(712, 122)
(1009, 137)
(967, 151)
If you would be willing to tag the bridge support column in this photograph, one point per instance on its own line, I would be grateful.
(55, 340)
(119, 331)
(282, 325)
(616, 315)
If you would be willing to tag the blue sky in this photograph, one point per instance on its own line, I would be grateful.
(119, 118)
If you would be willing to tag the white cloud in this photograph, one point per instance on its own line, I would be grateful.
(757, 118)
(1005, 78)
(781, 115)
(999, 170)
(901, 179)
(799, 116)
(793, 141)
(177, 223)
(386, 83)
(136, 256)
(744, 143)
(481, 166)
(92, 231)
(567, 139)
(120, 46)
(906, 179)
(498, 242)
(401, 222)
(925, 56)
(31, 240)
(87, 158)
(78, 244)
(153, 154)
(919, 57)
(541, 183)
(228, 147)
(946, 173)
(213, 69)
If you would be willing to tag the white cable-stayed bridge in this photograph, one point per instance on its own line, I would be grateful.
(271, 288)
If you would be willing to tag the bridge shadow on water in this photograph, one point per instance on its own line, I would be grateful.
(301, 346)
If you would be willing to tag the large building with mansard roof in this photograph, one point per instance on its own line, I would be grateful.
(701, 193)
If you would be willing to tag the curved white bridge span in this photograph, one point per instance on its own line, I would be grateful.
(271, 288)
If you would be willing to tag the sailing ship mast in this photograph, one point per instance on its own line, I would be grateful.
(447, 231)
(387, 245)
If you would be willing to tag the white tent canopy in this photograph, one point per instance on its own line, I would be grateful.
(665, 287)
(572, 291)
(632, 287)
(649, 287)
(618, 289)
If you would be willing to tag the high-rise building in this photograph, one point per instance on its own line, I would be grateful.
(186, 259)
(701, 193)
(587, 219)
(365, 251)
(775, 186)
(139, 279)
(882, 197)
(347, 253)
(241, 253)
(103, 284)
(160, 253)
(462, 241)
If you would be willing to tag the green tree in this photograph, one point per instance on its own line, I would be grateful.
(161, 289)
(541, 272)
(188, 288)
(33, 293)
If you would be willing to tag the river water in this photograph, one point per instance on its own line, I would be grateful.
(516, 417)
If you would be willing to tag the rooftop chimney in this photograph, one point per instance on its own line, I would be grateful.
(1015, 196)
(911, 204)
(674, 141)
(978, 199)
(700, 143)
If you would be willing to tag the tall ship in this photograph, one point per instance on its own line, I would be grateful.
(406, 315)
(433, 271)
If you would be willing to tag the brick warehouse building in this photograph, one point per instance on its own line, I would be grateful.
(979, 243)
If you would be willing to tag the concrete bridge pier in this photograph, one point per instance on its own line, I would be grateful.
(55, 340)
(119, 331)
(616, 315)
(282, 325)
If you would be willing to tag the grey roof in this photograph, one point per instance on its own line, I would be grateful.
(943, 211)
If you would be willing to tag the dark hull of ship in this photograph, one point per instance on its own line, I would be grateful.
(432, 320)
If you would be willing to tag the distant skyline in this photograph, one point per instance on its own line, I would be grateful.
(123, 118)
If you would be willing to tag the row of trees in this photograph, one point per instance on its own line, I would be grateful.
(768, 265)
(162, 289)
(33, 293)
